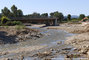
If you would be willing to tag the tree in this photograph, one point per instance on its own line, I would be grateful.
(34, 15)
(44, 15)
(69, 17)
(81, 16)
(59, 16)
(14, 10)
(88, 17)
(52, 14)
(19, 13)
(6, 12)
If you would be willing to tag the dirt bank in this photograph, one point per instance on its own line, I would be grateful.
(14, 34)
(81, 40)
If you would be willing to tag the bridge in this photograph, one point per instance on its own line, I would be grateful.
(47, 21)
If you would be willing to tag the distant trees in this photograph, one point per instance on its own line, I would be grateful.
(69, 17)
(44, 15)
(13, 13)
(5, 12)
(81, 16)
(52, 14)
(58, 15)
(19, 13)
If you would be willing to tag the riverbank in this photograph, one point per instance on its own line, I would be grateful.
(79, 41)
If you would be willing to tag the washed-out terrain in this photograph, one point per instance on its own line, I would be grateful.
(59, 42)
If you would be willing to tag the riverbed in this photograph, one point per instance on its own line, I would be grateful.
(52, 39)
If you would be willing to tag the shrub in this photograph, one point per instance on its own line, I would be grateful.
(12, 23)
(19, 27)
(4, 20)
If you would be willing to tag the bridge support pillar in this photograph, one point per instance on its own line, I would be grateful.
(55, 22)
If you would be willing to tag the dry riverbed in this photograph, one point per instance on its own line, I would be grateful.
(48, 43)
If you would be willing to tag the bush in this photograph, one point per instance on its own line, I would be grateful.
(12, 23)
(4, 20)
(18, 27)
(17, 23)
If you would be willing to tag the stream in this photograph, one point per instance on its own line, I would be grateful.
(50, 39)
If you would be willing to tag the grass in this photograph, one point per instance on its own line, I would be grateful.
(18, 27)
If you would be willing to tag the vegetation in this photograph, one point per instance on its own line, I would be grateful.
(18, 27)
(15, 12)
(69, 17)
(4, 20)
(81, 16)
(12, 23)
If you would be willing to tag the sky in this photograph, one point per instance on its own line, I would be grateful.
(73, 7)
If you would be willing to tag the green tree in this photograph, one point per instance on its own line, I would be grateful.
(19, 13)
(6, 12)
(81, 16)
(59, 16)
(69, 17)
(35, 15)
(44, 15)
(14, 10)
(52, 14)
(88, 17)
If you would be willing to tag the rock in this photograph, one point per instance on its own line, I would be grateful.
(3, 53)
(47, 59)
(44, 54)
(22, 57)
(83, 51)
(59, 42)
(88, 53)
(51, 49)
(66, 49)
(64, 52)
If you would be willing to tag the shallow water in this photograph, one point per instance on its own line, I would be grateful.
(52, 43)
(51, 37)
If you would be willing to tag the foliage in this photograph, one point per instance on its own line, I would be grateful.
(18, 27)
(69, 17)
(12, 23)
(4, 20)
(88, 17)
(6, 12)
(59, 16)
(52, 14)
(19, 13)
(14, 10)
(81, 16)
(44, 15)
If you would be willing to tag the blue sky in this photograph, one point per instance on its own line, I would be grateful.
(74, 7)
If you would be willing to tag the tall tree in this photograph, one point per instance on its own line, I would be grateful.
(44, 15)
(19, 13)
(59, 16)
(14, 10)
(35, 15)
(52, 14)
(81, 16)
(6, 12)
(69, 17)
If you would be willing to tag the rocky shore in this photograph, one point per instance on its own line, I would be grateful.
(80, 41)
(14, 34)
